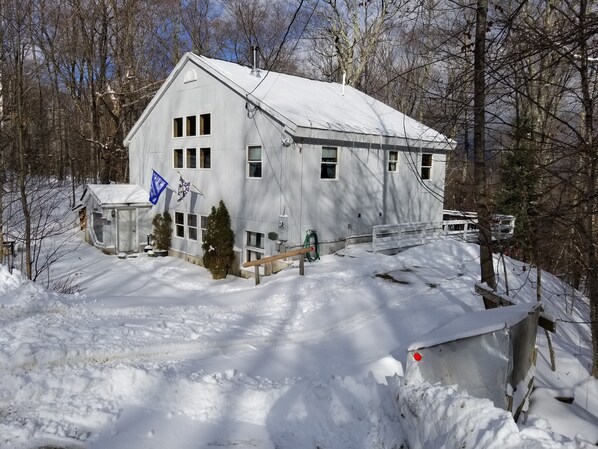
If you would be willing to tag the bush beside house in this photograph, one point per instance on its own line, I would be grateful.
(218, 252)
(162, 231)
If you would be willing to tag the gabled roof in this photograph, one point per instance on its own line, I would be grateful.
(313, 109)
(113, 195)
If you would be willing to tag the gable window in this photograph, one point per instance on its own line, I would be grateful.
(393, 161)
(205, 124)
(204, 221)
(192, 226)
(177, 127)
(178, 158)
(329, 163)
(191, 158)
(191, 126)
(254, 246)
(179, 224)
(205, 160)
(426, 166)
(254, 161)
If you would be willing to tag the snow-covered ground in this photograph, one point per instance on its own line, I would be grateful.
(153, 353)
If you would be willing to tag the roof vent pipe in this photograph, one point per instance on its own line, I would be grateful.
(255, 71)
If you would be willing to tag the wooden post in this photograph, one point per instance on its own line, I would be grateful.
(548, 337)
(257, 275)
(302, 265)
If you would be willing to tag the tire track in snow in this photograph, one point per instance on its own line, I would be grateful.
(180, 350)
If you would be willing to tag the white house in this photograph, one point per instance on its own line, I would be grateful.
(286, 154)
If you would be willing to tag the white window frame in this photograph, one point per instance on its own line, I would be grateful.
(201, 124)
(256, 162)
(184, 226)
(174, 157)
(204, 221)
(328, 163)
(190, 227)
(427, 169)
(188, 127)
(201, 160)
(175, 126)
(390, 168)
(179, 226)
(188, 158)
(259, 250)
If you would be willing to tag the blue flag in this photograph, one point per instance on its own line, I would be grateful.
(157, 187)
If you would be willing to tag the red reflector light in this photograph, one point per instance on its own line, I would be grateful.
(417, 356)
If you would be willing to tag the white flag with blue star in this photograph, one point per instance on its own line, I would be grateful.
(184, 187)
(157, 187)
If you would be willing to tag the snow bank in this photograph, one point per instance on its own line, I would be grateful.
(435, 416)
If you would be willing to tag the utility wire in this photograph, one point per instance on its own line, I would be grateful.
(288, 30)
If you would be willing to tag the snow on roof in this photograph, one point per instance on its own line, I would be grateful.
(117, 194)
(312, 109)
(475, 323)
(322, 105)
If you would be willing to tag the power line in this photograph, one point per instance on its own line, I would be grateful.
(288, 30)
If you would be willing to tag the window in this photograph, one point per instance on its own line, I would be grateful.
(255, 246)
(329, 163)
(254, 161)
(191, 126)
(204, 221)
(191, 158)
(426, 167)
(192, 226)
(179, 224)
(177, 127)
(178, 158)
(393, 161)
(205, 124)
(205, 160)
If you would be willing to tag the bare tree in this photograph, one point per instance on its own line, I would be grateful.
(347, 34)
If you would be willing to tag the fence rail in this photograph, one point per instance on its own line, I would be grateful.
(397, 236)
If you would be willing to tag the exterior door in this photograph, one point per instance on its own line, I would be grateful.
(127, 241)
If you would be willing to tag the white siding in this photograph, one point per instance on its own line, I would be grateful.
(290, 182)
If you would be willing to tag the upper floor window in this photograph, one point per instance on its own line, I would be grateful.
(329, 163)
(178, 158)
(205, 158)
(191, 158)
(426, 166)
(393, 161)
(191, 126)
(177, 127)
(254, 161)
(187, 158)
(205, 124)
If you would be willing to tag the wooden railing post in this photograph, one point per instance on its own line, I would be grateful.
(257, 275)
(295, 252)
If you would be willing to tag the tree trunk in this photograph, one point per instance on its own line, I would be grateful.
(22, 172)
(481, 188)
